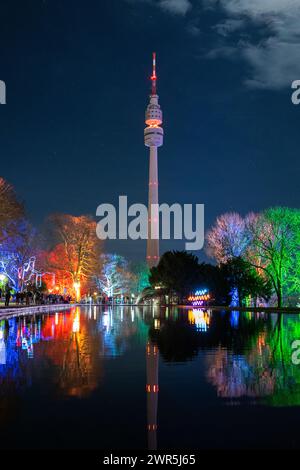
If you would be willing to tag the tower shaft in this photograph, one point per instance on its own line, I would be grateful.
(153, 214)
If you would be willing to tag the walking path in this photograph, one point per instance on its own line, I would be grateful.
(25, 310)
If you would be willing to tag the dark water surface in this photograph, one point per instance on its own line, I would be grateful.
(138, 378)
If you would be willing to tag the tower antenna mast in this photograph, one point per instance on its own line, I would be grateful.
(153, 77)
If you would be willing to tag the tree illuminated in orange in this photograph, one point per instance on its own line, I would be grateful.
(75, 258)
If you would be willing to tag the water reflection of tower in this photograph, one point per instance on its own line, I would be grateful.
(152, 359)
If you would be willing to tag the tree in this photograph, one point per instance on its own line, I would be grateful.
(140, 272)
(18, 249)
(177, 272)
(18, 239)
(275, 247)
(115, 277)
(212, 277)
(229, 237)
(10, 209)
(23, 241)
(11, 212)
(243, 279)
(57, 261)
(76, 256)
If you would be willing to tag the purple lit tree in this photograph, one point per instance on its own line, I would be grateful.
(229, 237)
(228, 240)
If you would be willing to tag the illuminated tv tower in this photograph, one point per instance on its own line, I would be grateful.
(153, 135)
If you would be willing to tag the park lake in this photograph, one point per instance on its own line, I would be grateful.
(149, 378)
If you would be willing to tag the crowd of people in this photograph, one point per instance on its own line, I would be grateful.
(30, 297)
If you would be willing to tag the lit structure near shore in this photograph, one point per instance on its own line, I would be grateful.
(153, 135)
(200, 297)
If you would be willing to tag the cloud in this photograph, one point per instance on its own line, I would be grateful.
(175, 7)
(224, 51)
(275, 64)
(257, 7)
(263, 33)
(274, 57)
(229, 26)
(178, 7)
(193, 29)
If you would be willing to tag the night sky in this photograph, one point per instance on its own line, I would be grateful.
(77, 78)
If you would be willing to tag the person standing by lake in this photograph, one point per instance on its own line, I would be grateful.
(7, 294)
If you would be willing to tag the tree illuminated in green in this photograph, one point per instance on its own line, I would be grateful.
(275, 248)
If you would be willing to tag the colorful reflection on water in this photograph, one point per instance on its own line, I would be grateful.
(133, 377)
